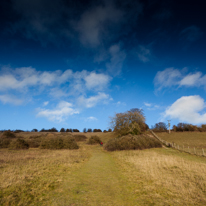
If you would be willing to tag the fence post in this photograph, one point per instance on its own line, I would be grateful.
(188, 149)
(183, 147)
(203, 152)
(194, 150)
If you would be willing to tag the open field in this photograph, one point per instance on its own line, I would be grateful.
(93, 176)
(192, 140)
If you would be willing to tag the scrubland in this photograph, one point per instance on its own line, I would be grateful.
(91, 175)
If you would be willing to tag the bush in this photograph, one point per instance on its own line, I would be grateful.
(18, 144)
(75, 130)
(89, 130)
(94, 140)
(8, 134)
(130, 142)
(4, 142)
(34, 141)
(80, 137)
(58, 143)
(62, 130)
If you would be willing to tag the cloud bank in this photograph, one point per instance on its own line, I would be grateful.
(187, 109)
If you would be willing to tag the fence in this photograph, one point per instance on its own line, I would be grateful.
(194, 151)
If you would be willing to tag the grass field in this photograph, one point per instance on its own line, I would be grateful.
(93, 176)
(192, 140)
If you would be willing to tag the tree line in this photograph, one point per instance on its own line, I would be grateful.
(180, 127)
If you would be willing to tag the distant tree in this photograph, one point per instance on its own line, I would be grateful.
(97, 130)
(53, 129)
(62, 130)
(43, 130)
(75, 130)
(84, 130)
(160, 127)
(105, 131)
(34, 130)
(89, 130)
(109, 130)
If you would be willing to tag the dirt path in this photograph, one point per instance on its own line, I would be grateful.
(98, 182)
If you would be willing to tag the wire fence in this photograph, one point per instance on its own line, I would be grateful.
(182, 148)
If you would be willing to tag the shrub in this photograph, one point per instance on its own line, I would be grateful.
(80, 137)
(18, 144)
(94, 140)
(4, 142)
(58, 143)
(8, 134)
(34, 130)
(34, 141)
(130, 142)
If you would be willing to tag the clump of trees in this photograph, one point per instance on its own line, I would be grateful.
(159, 127)
(130, 122)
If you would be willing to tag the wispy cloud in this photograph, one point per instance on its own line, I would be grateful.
(89, 119)
(143, 53)
(172, 77)
(114, 66)
(94, 21)
(191, 34)
(187, 109)
(10, 99)
(60, 113)
(93, 100)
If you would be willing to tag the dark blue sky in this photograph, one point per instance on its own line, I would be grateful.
(75, 63)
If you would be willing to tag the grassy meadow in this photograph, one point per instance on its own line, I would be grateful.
(91, 175)
(192, 140)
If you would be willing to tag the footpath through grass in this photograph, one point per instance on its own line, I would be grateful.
(99, 181)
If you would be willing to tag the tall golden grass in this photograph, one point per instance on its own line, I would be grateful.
(166, 179)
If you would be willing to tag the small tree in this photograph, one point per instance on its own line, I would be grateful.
(89, 130)
(34, 130)
(130, 122)
(84, 130)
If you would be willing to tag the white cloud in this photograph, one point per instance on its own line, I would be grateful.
(93, 100)
(147, 104)
(97, 81)
(91, 119)
(117, 58)
(187, 109)
(167, 78)
(10, 99)
(174, 77)
(46, 103)
(191, 79)
(60, 113)
(143, 54)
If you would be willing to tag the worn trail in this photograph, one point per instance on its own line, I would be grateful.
(98, 182)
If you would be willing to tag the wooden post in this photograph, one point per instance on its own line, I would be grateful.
(194, 150)
(183, 147)
(203, 152)
(188, 149)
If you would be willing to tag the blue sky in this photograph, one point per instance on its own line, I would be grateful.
(73, 65)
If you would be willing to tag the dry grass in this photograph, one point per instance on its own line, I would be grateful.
(165, 179)
(28, 176)
(195, 140)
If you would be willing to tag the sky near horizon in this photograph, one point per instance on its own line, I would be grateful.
(73, 64)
